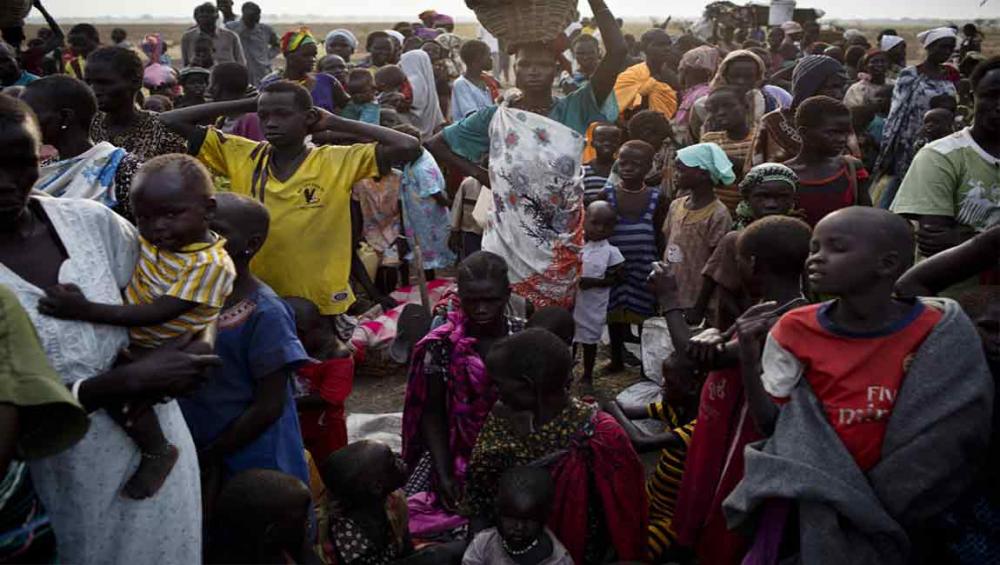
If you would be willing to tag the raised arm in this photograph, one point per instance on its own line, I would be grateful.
(603, 81)
(445, 156)
(952, 266)
(56, 39)
(185, 121)
(393, 146)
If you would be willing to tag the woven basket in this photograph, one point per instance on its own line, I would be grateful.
(524, 21)
(13, 12)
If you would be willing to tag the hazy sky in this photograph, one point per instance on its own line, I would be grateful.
(388, 9)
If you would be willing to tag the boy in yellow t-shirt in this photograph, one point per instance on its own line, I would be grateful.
(306, 188)
(180, 283)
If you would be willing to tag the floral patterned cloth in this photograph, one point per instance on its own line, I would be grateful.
(424, 218)
(537, 182)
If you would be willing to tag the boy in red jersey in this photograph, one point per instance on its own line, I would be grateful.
(898, 387)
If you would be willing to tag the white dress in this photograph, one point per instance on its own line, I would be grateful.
(81, 487)
(590, 311)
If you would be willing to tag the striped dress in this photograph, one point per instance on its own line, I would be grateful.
(636, 239)
(201, 273)
(593, 184)
(663, 486)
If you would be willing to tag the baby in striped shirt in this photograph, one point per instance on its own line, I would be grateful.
(181, 281)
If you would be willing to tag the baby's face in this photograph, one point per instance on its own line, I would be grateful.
(520, 527)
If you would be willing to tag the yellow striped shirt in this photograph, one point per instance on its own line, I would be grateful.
(202, 273)
(665, 483)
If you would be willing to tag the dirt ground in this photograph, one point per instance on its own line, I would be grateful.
(380, 385)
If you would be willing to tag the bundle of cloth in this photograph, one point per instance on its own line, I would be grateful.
(939, 430)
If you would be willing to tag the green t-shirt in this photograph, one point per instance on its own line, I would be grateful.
(470, 137)
(51, 420)
(953, 177)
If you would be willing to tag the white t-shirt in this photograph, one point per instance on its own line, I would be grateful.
(591, 310)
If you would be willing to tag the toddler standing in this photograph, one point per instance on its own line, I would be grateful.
(602, 267)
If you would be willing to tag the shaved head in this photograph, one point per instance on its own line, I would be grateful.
(885, 231)
(249, 215)
(601, 210)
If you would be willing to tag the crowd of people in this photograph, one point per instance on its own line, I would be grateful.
(184, 244)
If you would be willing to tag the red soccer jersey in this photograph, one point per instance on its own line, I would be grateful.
(855, 376)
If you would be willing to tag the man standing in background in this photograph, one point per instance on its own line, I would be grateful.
(260, 43)
(226, 44)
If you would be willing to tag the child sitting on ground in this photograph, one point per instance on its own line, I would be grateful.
(601, 270)
(327, 378)
(367, 506)
(829, 179)
(475, 89)
(867, 388)
(697, 222)
(767, 190)
(729, 120)
(524, 502)
(178, 288)
(640, 209)
(677, 410)
(263, 517)
(362, 107)
(607, 140)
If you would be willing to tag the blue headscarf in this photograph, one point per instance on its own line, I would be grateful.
(709, 157)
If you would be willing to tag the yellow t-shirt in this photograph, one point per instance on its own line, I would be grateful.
(202, 273)
(308, 249)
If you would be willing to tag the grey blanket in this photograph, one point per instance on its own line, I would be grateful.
(936, 436)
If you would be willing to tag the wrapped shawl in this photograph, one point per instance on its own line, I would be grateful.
(637, 83)
(940, 425)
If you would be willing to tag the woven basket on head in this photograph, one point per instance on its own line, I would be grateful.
(524, 21)
(13, 12)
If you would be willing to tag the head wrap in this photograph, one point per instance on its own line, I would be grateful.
(809, 75)
(705, 57)
(791, 27)
(191, 71)
(395, 35)
(441, 20)
(890, 41)
(709, 157)
(930, 36)
(426, 33)
(854, 34)
(351, 39)
(868, 56)
(767, 172)
(292, 40)
(732, 57)
(153, 47)
(157, 75)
